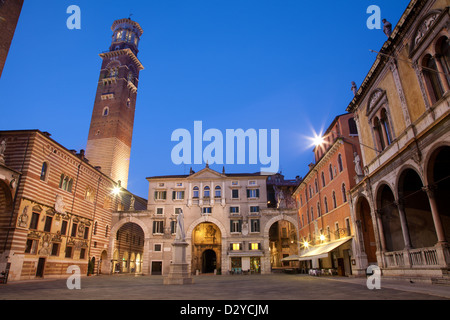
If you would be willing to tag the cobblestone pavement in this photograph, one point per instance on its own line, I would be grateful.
(237, 287)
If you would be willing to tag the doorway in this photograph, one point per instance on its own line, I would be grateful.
(40, 268)
(156, 268)
(209, 261)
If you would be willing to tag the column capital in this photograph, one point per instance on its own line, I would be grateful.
(429, 190)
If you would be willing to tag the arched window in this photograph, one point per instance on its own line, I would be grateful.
(44, 171)
(195, 192)
(61, 181)
(326, 204)
(206, 192)
(218, 192)
(69, 185)
(334, 200)
(312, 214)
(344, 193)
(432, 80)
(310, 191)
(386, 127)
(105, 111)
(331, 172)
(378, 133)
(318, 210)
(316, 185)
(323, 179)
(95, 228)
(340, 165)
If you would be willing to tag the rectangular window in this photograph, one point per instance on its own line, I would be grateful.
(64, 227)
(234, 210)
(252, 183)
(157, 247)
(234, 183)
(48, 223)
(207, 210)
(55, 249)
(173, 227)
(34, 220)
(86, 232)
(235, 246)
(235, 225)
(160, 211)
(158, 227)
(177, 195)
(235, 194)
(254, 225)
(69, 252)
(347, 226)
(252, 193)
(254, 209)
(31, 246)
(177, 210)
(74, 230)
(82, 253)
(254, 246)
(160, 195)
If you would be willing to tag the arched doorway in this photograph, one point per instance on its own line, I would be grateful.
(438, 175)
(415, 203)
(392, 228)
(367, 231)
(209, 261)
(129, 242)
(206, 247)
(282, 242)
(5, 211)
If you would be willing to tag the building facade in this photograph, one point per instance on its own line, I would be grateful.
(55, 208)
(402, 111)
(326, 226)
(226, 217)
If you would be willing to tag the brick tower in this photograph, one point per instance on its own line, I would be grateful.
(111, 130)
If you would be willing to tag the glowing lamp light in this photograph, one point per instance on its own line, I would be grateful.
(306, 244)
(322, 237)
(116, 190)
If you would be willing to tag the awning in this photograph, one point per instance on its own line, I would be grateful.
(321, 251)
(291, 258)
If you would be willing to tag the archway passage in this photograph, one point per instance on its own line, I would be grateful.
(439, 179)
(206, 248)
(368, 234)
(392, 228)
(282, 242)
(129, 244)
(209, 261)
(417, 209)
(5, 212)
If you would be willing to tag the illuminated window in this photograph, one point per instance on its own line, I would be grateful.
(255, 246)
(236, 246)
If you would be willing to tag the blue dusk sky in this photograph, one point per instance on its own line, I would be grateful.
(249, 64)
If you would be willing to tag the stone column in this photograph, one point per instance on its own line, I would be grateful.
(405, 231)
(434, 212)
(379, 220)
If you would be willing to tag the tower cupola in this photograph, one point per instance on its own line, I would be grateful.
(126, 34)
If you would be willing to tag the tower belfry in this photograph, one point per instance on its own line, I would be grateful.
(111, 129)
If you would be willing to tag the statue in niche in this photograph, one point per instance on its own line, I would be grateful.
(357, 162)
(60, 205)
(23, 219)
(45, 250)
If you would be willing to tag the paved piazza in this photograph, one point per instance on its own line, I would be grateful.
(209, 287)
